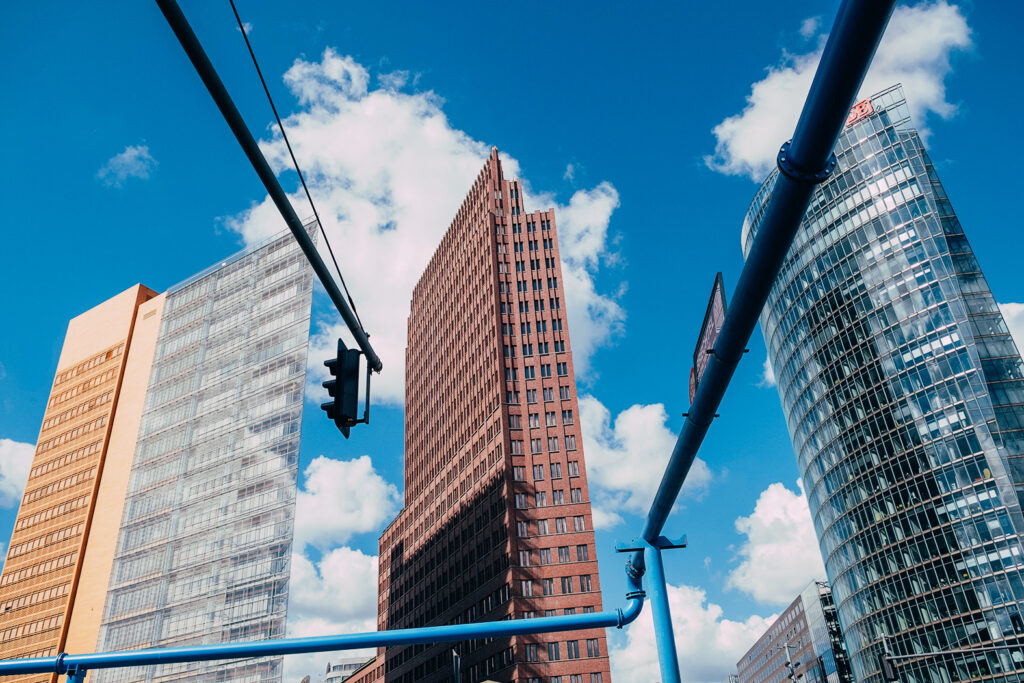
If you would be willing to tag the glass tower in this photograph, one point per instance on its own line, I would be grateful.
(903, 394)
(205, 539)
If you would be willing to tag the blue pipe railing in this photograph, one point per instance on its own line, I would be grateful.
(68, 663)
(803, 162)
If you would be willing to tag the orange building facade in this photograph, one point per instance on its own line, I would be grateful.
(42, 574)
(497, 521)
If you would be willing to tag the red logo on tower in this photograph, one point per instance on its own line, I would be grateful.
(859, 111)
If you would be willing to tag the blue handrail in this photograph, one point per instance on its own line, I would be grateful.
(803, 162)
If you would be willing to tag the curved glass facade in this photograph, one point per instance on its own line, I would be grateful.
(904, 396)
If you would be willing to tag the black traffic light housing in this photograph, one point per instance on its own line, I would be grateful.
(344, 389)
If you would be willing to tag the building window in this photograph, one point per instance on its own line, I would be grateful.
(567, 584)
(534, 420)
(559, 496)
(535, 446)
(549, 394)
(531, 652)
(572, 648)
(518, 472)
(545, 555)
(596, 678)
(570, 442)
(545, 370)
(527, 373)
(592, 650)
(560, 525)
(585, 584)
(521, 501)
(538, 472)
(582, 553)
(576, 495)
(553, 653)
(517, 445)
(542, 527)
(524, 558)
(526, 588)
(567, 417)
(556, 470)
(549, 586)
(574, 468)
(549, 418)
(542, 498)
(531, 396)
(563, 393)
(522, 529)
(563, 553)
(552, 444)
(563, 369)
(578, 523)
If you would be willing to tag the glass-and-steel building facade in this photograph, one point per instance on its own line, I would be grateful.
(804, 641)
(203, 553)
(904, 396)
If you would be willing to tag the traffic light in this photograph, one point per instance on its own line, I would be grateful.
(343, 388)
(886, 668)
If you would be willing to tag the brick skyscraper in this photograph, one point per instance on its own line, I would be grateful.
(497, 520)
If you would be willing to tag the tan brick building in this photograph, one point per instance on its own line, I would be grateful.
(103, 364)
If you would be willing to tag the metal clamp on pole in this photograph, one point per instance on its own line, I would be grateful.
(664, 634)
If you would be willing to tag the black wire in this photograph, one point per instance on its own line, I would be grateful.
(295, 163)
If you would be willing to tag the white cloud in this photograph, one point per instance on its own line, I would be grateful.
(767, 375)
(15, 462)
(1013, 314)
(341, 498)
(334, 596)
(388, 173)
(396, 80)
(570, 172)
(915, 51)
(246, 26)
(708, 645)
(780, 555)
(134, 162)
(626, 459)
(809, 26)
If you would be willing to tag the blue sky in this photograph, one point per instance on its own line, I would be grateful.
(642, 128)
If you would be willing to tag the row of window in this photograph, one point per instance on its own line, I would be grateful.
(72, 434)
(66, 482)
(49, 539)
(519, 474)
(50, 513)
(564, 556)
(35, 597)
(38, 569)
(571, 678)
(62, 460)
(74, 412)
(88, 384)
(29, 629)
(572, 651)
(548, 393)
(99, 358)
(543, 528)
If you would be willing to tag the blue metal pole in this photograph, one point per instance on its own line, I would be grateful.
(63, 663)
(805, 161)
(664, 635)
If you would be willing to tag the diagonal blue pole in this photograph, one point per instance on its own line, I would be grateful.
(803, 162)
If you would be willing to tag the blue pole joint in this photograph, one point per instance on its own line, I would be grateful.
(802, 175)
(664, 634)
